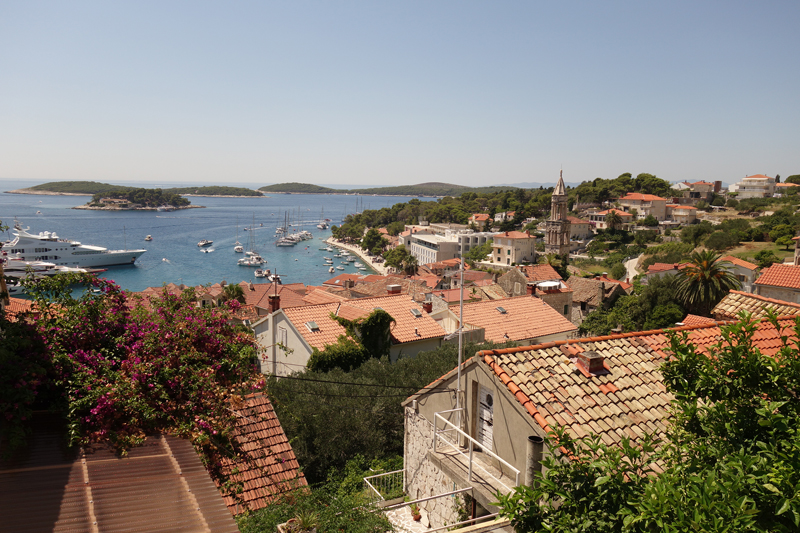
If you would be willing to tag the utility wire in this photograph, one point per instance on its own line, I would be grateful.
(412, 387)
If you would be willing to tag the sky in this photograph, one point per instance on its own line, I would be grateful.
(390, 93)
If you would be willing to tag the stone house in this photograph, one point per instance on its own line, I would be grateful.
(645, 204)
(589, 294)
(476, 437)
(737, 301)
(781, 282)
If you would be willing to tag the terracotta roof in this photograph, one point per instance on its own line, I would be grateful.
(739, 262)
(490, 291)
(526, 317)
(480, 217)
(737, 301)
(662, 267)
(16, 307)
(617, 211)
(587, 289)
(678, 206)
(697, 320)
(159, 486)
(576, 220)
(787, 185)
(322, 296)
(629, 399)
(430, 280)
(537, 273)
(338, 281)
(407, 327)
(758, 177)
(787, 276)
(454, 295)
(270, 467)
(640, 196)
(379, 287)
(515, 235)
(289, 297)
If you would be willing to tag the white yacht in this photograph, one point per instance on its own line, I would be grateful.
(47, 246)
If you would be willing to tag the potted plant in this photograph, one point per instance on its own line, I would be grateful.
(415, 512)
(304, 522)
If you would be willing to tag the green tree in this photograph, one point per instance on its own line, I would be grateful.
(478, 253)
(618, 271)
(396, 257)
(233, 291)
(613, 219)
(733, 203)
(766, 258)
(695, 233)
(650, 221)
(704, 281)
(794, 178)
(721, 240)
(373, 239)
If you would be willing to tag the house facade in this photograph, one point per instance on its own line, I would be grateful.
(781, 282)
(757, 186)
(599, 218)
(513, 247)
(645, 204)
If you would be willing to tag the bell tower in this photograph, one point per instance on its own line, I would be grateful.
(557, 229)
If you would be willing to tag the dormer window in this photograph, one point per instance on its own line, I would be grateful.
(312, 326)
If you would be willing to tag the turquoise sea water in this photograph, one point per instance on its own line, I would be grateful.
(173, 254)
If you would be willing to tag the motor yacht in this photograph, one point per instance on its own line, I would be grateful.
(47, 246)
(205, 242)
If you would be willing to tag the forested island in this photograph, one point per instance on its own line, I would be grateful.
(83, 188)
(136, 198)
(432, 189)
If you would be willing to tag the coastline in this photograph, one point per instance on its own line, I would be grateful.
(380, 268)
(54, 193)
(113, 208)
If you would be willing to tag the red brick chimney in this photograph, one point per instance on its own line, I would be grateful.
(274, 302)
(427, 307)
(591, 361)
(531, 289)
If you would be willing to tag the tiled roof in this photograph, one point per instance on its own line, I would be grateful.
(526, 317)
(617, 211)
(640, 196)
(159, 486)
(576, 220)
(454, 295)
(737, 301)
(787, 276)
(697, 320)
(515, 235)
(269, 467)
(16, 307)
(289, 297)
(588, 289)
(379, 287)
(678, 206)
(624, 284)
(629, 399)
(787, 185)
(490, 291)
(739, 262)
(758, 177)
(480, 217)
(661, 267)
(321, 296)
(430, 280)
(537, 273)
(407, 327)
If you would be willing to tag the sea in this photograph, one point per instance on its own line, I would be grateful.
(173, 255)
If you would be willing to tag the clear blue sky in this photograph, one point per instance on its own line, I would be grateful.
(381, 93)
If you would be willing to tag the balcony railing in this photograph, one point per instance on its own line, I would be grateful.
(384, 487)
(456, 433)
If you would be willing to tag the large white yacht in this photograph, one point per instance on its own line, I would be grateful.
(47, 246)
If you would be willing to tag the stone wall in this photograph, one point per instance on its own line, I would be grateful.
(422, 478)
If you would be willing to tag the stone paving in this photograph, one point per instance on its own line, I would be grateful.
(403, 522)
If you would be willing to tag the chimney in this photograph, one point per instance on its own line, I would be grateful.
(601, 292)
(427, 306)
(393, 289)
(531, 289)
(349, 284)
(533, 459)
(506, 234)
(591, 361)
(274, 302)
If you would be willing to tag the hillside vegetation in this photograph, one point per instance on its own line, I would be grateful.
(295, 187)
(77, 187)
(214, 190)
(143, 197)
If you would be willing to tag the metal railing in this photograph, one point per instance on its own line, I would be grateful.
(382, 487)
(440, 435)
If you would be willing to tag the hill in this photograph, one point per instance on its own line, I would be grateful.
(77, 187)
(295, 187)
(421, 189)
(214, 190)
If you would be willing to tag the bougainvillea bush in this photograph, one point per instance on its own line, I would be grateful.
(127, 367)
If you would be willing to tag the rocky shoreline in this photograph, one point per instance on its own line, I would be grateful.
(114, 208)
(380, 268)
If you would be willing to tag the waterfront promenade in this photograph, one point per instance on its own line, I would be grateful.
(380, 268)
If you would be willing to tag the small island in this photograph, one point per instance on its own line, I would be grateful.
(431, 189)
(91, 188)
(136, 199)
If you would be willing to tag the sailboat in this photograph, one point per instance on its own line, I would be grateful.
(237, 246)
(322, 224)
(252, 258)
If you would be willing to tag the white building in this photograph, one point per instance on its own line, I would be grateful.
(758, 186)
(434, 248)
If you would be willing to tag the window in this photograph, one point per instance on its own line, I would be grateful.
(282, 337)
(566, 310)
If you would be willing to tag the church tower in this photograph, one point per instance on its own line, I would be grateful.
(556, 240)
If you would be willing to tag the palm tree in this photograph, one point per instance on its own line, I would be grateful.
(613, 220)
(704, 281)
(410, 265)
(233, 291)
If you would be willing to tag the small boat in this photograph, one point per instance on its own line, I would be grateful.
(238, 248)
(340, 268)
(149, 238)
(38, 212)
(362, 268)
(328, 258)
(207, 250)
(331, 270)
(358, 264)
(205, 242)
(260, 273)
(274, 278)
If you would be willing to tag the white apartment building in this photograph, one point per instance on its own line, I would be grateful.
(645, 204)
(434, 248)
(758, 186)
(513, 247)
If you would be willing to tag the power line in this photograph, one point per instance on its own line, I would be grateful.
(405, 387)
